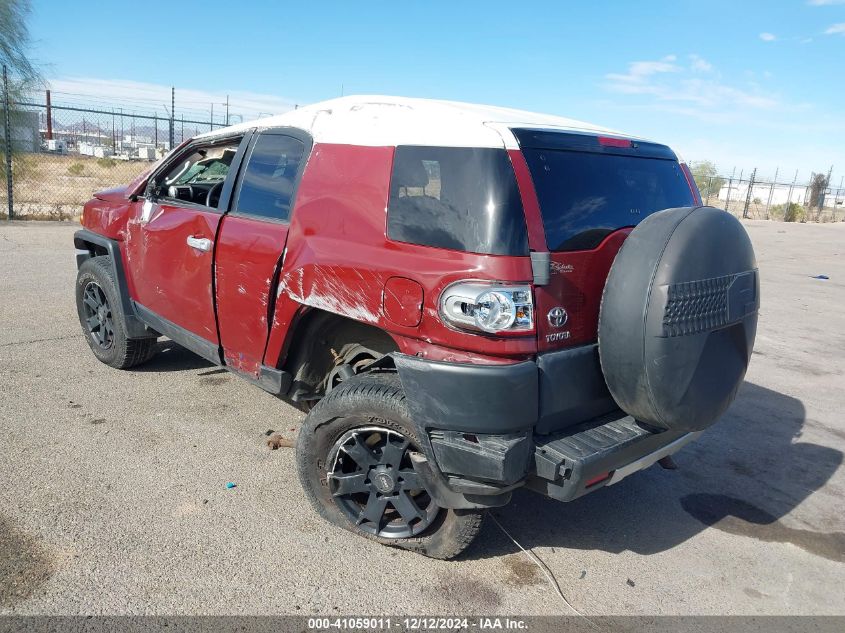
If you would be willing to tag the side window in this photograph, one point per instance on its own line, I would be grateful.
(457, 198)
(268, 180)
(198, 176)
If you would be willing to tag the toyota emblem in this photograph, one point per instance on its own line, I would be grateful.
(557, 317)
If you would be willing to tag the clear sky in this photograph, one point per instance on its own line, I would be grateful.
(743, 83)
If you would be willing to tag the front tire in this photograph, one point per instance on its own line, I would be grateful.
(101, 317)
(352, 459)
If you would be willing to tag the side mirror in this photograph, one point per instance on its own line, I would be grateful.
(152, 191)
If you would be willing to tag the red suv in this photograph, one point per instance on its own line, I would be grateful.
(465, 300)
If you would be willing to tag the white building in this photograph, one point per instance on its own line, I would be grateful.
(56, 146)
(761, 191)
(97, 151)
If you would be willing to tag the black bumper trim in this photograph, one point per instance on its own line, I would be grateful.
(572, 388)
(496, 399)
(549, 424)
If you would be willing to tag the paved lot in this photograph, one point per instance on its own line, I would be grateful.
(113, 498)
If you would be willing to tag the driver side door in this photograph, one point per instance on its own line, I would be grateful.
(170, 242)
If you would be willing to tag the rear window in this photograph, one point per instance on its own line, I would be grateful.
(463, 199)
(586, 195)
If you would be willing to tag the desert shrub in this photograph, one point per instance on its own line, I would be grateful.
(76, 169)
(792, 212)
(106, 163)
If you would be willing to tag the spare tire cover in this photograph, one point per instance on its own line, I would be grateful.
(678, 317)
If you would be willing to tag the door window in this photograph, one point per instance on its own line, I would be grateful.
(198, 176)
(269, 179)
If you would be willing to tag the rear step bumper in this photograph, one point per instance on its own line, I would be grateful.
(485, 430)
(564, 466)
(597, 454)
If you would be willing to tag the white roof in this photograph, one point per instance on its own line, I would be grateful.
(388, 121)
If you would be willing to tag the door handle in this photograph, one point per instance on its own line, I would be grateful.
(200, 243)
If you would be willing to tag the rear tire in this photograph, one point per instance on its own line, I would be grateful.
(101, 317)
(371, 411)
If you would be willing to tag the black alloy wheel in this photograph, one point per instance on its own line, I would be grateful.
(375, 486)
(98, 315)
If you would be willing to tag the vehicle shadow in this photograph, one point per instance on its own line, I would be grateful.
(170, 356)
(741, 477)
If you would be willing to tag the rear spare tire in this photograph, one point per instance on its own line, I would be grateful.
(679, 316)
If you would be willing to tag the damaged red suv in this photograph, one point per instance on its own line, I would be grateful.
(464, 299)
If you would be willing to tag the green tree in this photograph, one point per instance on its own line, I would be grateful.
(22, 73)
(15, 40)
(705, 175)
(818, 185)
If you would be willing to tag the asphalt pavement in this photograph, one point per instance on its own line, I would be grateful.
(113, 496)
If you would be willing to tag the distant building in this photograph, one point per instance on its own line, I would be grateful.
(24, 128)
(97, 151)
(761, 191)
(56, 146)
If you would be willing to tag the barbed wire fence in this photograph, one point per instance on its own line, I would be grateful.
(64, 148)
(813, 199)
(58, 148)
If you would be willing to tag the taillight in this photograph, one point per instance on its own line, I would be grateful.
(491, 307)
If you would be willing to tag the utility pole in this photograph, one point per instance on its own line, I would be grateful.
(113, 136)
(8, 134)
(749, 194)
(771, 192)
(49, 118)
(172, 113)
(730, 184)
(212, 116)
(823, 192)
(791, 187)
(227, 110)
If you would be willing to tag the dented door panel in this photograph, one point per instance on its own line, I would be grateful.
(247, 266)
(169, 277)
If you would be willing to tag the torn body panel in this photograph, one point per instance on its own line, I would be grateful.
(247, 259)
(339, 259)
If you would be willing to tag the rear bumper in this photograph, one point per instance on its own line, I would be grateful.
(550, 425)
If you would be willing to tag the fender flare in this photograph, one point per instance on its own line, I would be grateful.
(84, 240)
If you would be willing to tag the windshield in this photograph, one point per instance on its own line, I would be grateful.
(586, 195)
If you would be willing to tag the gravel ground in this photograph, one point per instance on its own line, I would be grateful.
(113, 497)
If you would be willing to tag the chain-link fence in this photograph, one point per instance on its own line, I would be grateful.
(61, 154)
(812, 200)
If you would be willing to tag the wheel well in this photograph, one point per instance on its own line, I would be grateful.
(323, 343)
(96, 250)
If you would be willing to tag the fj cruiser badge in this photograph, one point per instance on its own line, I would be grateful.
(557, 317)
